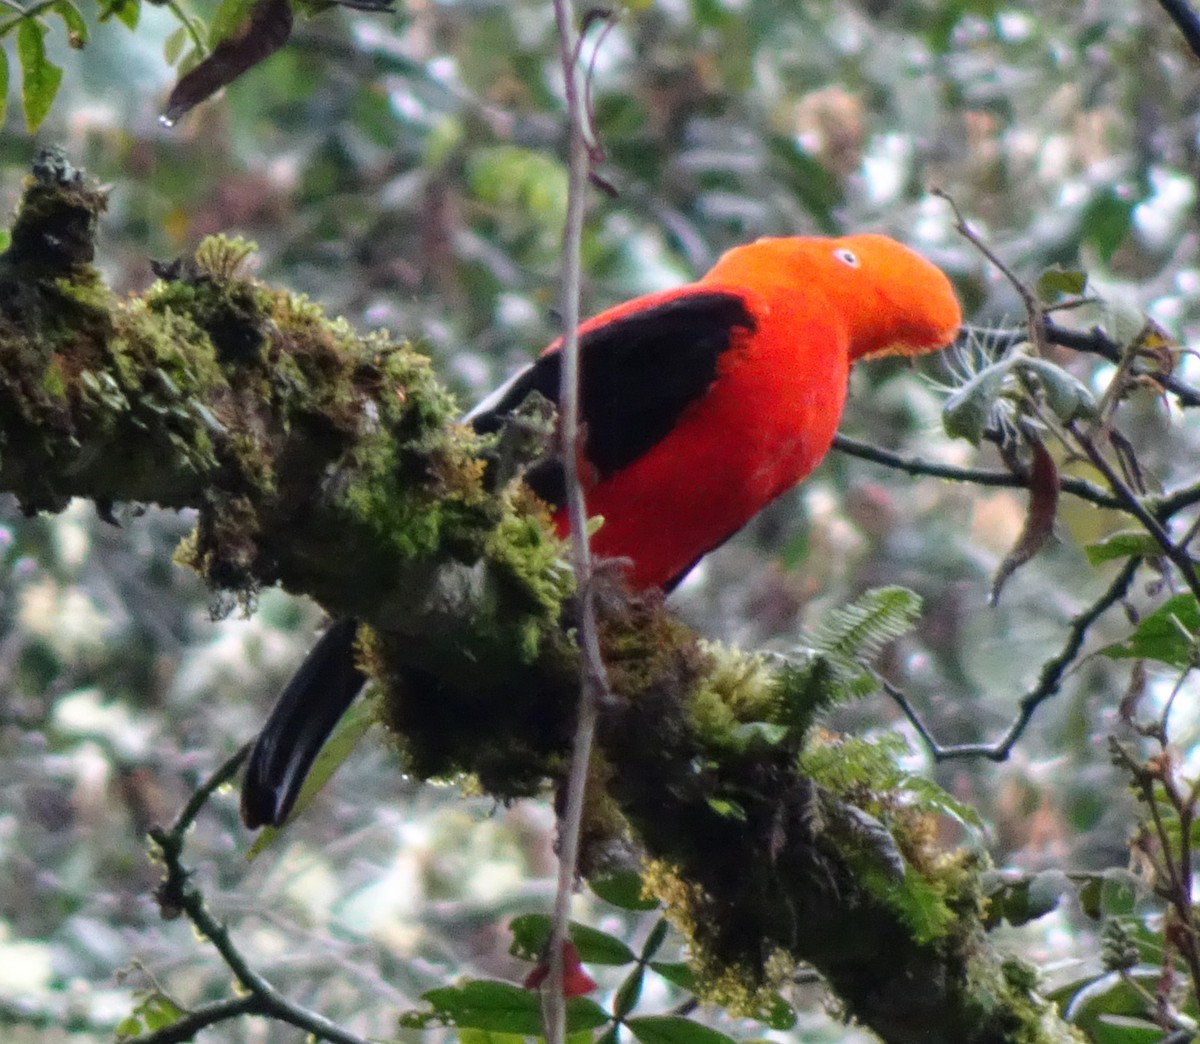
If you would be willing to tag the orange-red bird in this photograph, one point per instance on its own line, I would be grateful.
(700, 406)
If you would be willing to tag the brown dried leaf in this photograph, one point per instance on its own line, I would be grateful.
(1039, 519)
(262, 34)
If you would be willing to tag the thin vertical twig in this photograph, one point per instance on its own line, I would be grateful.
(593, 677)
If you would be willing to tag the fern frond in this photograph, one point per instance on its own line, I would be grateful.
(861, 629)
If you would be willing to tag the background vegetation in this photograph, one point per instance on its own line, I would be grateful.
(405, 170)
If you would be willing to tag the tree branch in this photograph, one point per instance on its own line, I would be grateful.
(293, 436)
(1049, 680)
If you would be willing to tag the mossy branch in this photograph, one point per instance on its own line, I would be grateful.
(331, 463)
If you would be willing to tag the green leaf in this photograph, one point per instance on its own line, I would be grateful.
(77, 27)
(776, 1013)
(1125, 1029)
(497, 1007)
(654, 940)
(174, 44)
(727, 808)
(623, 889)
(1167, 635)
(966, 412)
(677, 973)
(474, 1036)
(344, 738)
(1019, 899)
(230, 16)
(1057, 282)
(531, 932)
(1066, 396)
(1126, 544)
(629, 992)
(1105, 222)
(40, 77)
(674, 1029)
(129, 12)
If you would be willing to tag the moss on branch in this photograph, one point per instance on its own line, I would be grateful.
(331, 462)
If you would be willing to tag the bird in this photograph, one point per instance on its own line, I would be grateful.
(699, 406)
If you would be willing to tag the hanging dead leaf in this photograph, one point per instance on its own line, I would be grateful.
(264, 30)
(1039, 519)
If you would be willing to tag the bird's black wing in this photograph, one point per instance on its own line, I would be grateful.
(639, 372)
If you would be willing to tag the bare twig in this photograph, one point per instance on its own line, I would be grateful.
(1078, 487)
(1052, 674)
(176, 895)
(593, 677)
(1095, 342)
(1178, 556)
(1033, 307)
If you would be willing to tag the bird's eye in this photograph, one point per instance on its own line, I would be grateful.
(847, 257)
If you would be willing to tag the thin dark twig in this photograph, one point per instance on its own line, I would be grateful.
(1178, 556)
(176, 895)
(1187, 21)
(1052, 674)
(186, 1028)
(1097, 342)
(1081, 488)
(593, 680)
(1033, 307)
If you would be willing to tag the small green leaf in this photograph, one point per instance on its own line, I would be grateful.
(776, 1013)
(174, 44)
(1057, 282)
(128, 12)
(677, 973)
(497, 1007)
(629, 992)
(1119, 896)
(726, 808)
(531, 933)
(1106, 220)
(77, 27)
(474, 1036)
(40, 77)
(654, 940)
(674, 1029)
(229, 18)
(1167, 635)
(1126, 544)
(623, 889)
(1125, 1029)
(1066, 396)
(966, 412)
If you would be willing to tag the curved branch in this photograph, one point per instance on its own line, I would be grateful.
(1049, 680)
(1078, 487)
(333, 463)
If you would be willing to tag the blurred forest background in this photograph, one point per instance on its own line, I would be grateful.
(405, 170)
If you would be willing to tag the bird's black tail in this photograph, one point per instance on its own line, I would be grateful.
(300, 722)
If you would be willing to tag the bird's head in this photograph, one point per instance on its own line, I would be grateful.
(892, 300)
